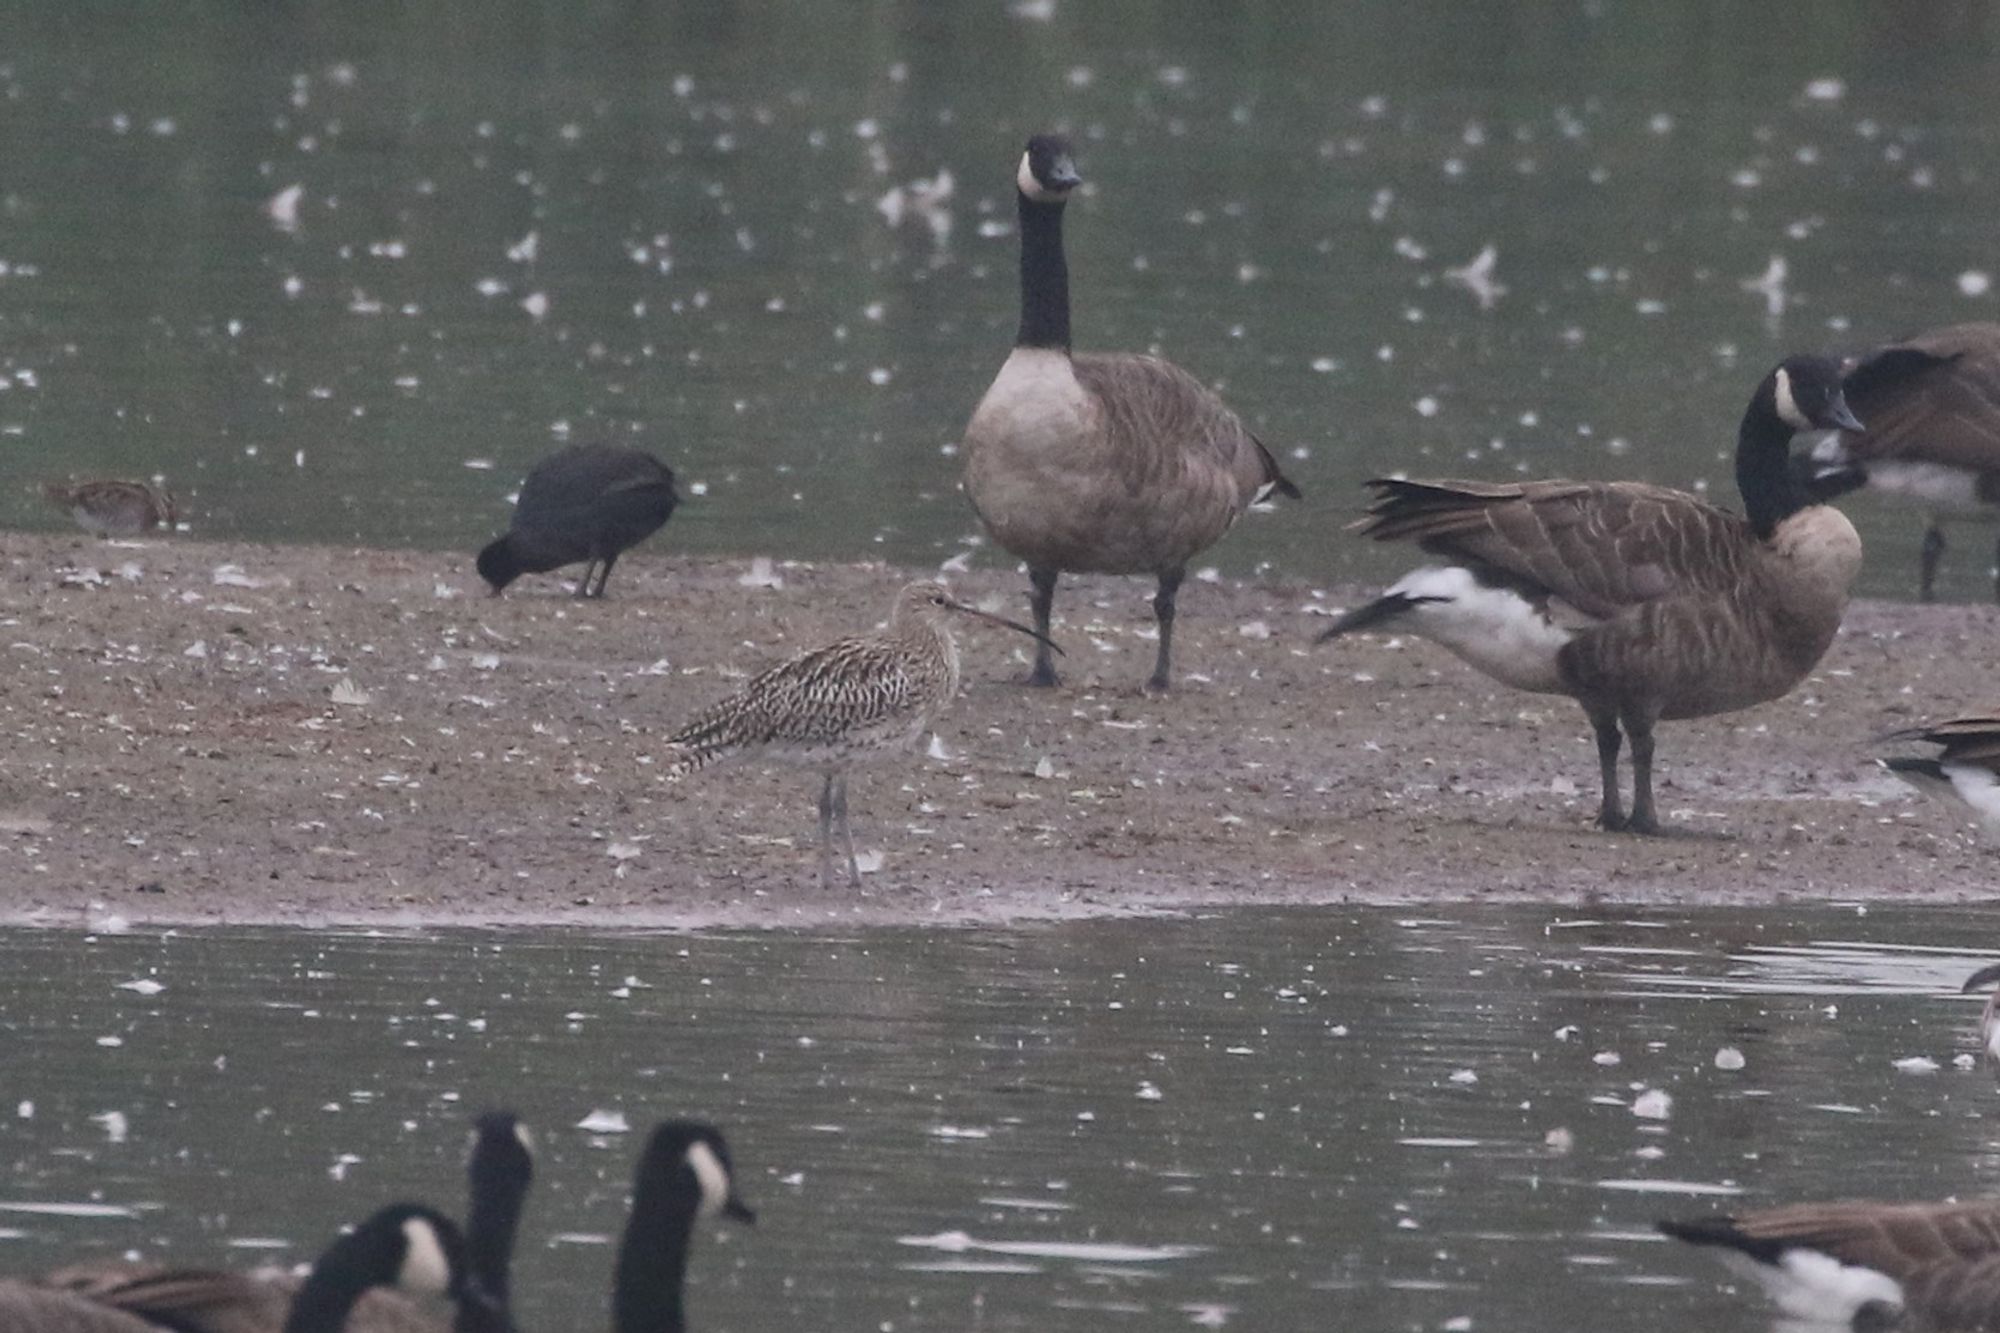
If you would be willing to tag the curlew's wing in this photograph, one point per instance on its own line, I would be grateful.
(1599, 546)
(1932, 398)
(816, 698)
(1165, 423)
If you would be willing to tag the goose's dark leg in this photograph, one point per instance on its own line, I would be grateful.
(1610, 810)
(846, 831)
(604, 573)
(1163, 611)
(583, 584)
(1043, 603)
(1996, 571)
(1643, 820)
(826, 832)
(1927, 565)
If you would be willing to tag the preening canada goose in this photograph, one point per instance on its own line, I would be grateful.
(837, 705)
(1639, 602)
(683, 1176)
(405, 1246)
(587, 502)
(1932, 407)
(1865, 1265)
(1103, 463)
(113, 508)
(1966, 770)
(499, 1169)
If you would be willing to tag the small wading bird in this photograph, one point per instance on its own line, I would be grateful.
(1103, 463)
(405, 1246)
(1932, 404)
(498, 1171)
(587, 502)
(113, 508)
(1966, 770)
(841, 704)
(1865, 1265)
(1639, 602)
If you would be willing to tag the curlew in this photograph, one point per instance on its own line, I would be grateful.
(1105, 463)
(113, 508)
(1639, 602)
(1932, 404)
(584, 503)
(841, 704)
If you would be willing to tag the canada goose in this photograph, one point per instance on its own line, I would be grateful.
(683, 1175)
(587, 502)
(1863, 1264)
(404, 1246)
(1932, 404)
(1989, 1018)
(1967, 769)
(1104, 463)
(113, 508)
(836, 705)
(1639, 602)
(499, 1169)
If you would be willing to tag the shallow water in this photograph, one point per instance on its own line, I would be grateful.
(1258, 1120)
(681, 225)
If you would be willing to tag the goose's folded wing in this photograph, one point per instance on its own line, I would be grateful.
(1599, 546)
(1896, 1239)
(1933, 398)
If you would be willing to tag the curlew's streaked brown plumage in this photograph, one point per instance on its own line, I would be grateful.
(841, 704)
(1865, 1264)
(1639, 602)
(1101, 463)
(1965, 770)
(110, 508)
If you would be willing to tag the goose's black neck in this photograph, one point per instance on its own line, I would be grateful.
(1764, 474)
(652, 1263)
(330, 1291)
(1044, 276)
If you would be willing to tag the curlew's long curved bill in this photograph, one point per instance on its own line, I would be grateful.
(1010, 624)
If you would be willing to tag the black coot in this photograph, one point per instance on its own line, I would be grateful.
(588, 502)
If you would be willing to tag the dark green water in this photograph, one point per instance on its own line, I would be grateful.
(692, 197)
(1300, 1120)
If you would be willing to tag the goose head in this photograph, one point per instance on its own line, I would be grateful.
(405, 1245)
(686, 1171)
(1805, 394)
(1047, 172)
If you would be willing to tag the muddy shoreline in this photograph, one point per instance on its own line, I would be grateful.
(205, 732)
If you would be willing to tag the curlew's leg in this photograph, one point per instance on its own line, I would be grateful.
(604, 573)
(846, 831)
(1043, 603)
(1610, 810)
(1163, 611)
(826, 832)
(1927, 562)
(583, 584)
(1643, 820)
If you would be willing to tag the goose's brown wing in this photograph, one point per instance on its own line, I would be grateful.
(1897, 1239)
(1164, 424)
(1600, 546)
(1963, 738)
(1931, 398)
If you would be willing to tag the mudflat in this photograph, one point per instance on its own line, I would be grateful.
(203, 732)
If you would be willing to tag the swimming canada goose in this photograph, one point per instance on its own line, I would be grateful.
(837, 705)
(405, 1246)
(1639, 602)
(1966, 770)
(1989, 1018)
(1104, 463)
(499, 1169)
(1932, 404)
(587, 502)
(1863, 1264)
(113, 508)
(683, 1175)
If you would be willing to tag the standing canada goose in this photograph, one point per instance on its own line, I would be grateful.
(1863, 1264)
(587, 502)
(405, 1246)
(499, 1169)
(1989, 1018)
(684, 1175)
(837, 705)
(1967, 770)
(1639, 602)
(1105, 463)
(113, 508)
(1932, 404)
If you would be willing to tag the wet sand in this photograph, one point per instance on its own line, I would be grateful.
(202, 732)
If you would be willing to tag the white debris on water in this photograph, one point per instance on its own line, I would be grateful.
(1653, 1104)
(1975, 282)
(116, 1126)
(142, 986)
(1476, 276)
(1826, 89)
(536, 304)
(1915, 1064)
(605, 1122)
(283, 207)
(1729, 1058)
